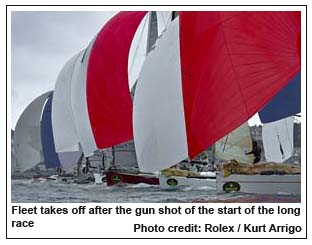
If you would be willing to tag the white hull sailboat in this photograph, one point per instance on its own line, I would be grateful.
(205, 179)
(260, 184)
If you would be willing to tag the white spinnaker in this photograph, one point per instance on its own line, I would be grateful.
(63, 125)
(158, 113)
(278, 139)
(138, 50)
(27, 137)
(79, 103)
(235, 145)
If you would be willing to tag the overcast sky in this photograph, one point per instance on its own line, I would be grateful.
(42, 42)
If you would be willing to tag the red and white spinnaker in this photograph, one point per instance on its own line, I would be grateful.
(209, 73)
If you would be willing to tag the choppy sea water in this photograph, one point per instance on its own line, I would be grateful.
(27, 191)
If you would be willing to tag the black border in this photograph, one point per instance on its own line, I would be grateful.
(6, 110)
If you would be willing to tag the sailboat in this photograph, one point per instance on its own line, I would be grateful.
(232, 146)
(63, 161)
(100, 95)
(213, 67)
(275, 175)
(124, 154)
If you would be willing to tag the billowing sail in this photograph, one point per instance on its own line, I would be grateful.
(108, 95)
(224, 71)
(230, 69)
(286, 103)
(158, 116)
(27, 139)
(278, 139)
(51, 159)
(79, 103)
(151, 27)
(234, 145)
(63, 125)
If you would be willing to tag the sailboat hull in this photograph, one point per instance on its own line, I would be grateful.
(118, 178)
(260, 184)
(172, 182)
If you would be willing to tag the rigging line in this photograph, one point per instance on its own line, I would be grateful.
(137, 47)
(113, 155)
(279, 140)
(227, 136)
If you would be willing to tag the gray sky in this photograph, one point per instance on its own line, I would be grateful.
(42, 42)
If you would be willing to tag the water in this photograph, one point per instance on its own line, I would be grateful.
(26, 191)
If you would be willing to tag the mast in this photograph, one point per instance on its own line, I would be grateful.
(113, 155)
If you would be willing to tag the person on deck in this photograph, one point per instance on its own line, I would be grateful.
(256, 151)
(87, 167)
